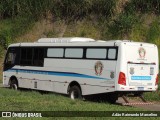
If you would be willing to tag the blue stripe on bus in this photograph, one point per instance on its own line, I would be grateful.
(140, 77)
(68, 74)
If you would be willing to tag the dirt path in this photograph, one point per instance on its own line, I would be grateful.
(151, 107)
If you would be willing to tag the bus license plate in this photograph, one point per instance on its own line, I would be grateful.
(140, 88)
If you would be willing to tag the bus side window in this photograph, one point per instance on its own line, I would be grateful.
(38, 58)
(55, 52)
(26, 56)
(96, 53)
(112, 52)
(74, 53)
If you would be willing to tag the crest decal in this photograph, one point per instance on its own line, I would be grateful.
(131, 71)
(142, 52)
(98, 68)
(112, 75)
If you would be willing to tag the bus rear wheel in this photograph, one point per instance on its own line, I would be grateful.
(112, 98)
(75, 93)
(13, 84)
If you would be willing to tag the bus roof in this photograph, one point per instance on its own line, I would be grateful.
(76, 41)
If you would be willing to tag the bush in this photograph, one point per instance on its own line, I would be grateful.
(13, 28)
(103, 9)
(78, 9)
(153, 32)
(144, 6)
(71, 10)
(122, 25)
(13, 8)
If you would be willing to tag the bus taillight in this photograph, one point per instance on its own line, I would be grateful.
(156, 80)
(122, 79)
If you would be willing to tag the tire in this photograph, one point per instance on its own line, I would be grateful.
(13, 84)
(138, 94)
(75, 93)
(112, 98)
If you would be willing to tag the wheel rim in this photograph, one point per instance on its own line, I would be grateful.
(14, 86)
(74, 95)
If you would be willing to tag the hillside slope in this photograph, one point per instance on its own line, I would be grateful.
(27, 21)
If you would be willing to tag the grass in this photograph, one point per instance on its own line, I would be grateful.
(1, 65)
(33, 101)
(153, 96)
(11, 100)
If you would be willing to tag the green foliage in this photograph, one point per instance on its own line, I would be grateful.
(11, 28)
(64, 9)
(153, 32)
(153, 96)
(84, 28)
(13, 8)
(78, 9)
(103, 9)
(143, 6)
(1, 55)
(21, 14)
(6, 38)
(71, 10)
(123, 25)
(138, 33)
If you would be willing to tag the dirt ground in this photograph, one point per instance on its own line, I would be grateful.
(155, 106)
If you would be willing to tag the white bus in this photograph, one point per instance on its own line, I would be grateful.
(82, 66)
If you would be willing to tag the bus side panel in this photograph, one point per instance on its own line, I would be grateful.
(121, 66)
(6, 78)
(83, 71)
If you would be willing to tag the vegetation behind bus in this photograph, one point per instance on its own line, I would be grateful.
(116, 19)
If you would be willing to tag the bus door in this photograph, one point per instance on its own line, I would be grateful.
(11, 60)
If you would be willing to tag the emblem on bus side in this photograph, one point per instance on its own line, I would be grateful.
(112, 75)
(98, 68)
(142, 52)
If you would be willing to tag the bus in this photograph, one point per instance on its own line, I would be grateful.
(81, 67)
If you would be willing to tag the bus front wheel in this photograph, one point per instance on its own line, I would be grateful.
(75, 93)
(13, 84)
